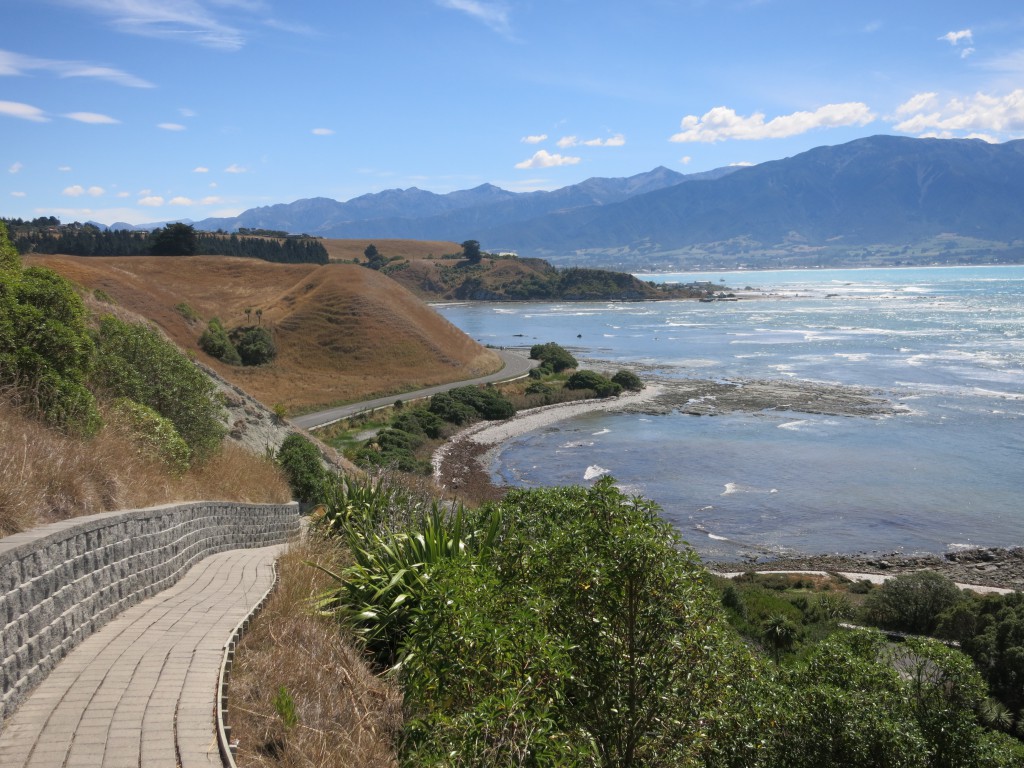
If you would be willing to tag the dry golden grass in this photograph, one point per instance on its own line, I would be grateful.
(346, 716)
(343, 332)
(346, 250)
(48, 476)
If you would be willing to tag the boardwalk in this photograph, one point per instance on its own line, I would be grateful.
(141, 691)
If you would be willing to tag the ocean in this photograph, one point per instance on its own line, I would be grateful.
(946, 343)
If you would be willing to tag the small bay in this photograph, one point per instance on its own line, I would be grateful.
(945, 344)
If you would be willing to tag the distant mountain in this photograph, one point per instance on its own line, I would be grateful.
(877, 200)
(415, 213)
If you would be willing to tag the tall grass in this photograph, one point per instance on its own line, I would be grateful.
(341, 714)
(48, 476)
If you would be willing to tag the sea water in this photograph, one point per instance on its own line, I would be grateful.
(946, 343)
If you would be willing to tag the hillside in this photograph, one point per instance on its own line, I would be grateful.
(343, 332)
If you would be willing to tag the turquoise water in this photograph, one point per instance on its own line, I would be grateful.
(947, 343)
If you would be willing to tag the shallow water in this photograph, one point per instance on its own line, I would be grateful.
(948, 343)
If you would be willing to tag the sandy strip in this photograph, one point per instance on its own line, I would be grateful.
(874, 578)
(463, 461)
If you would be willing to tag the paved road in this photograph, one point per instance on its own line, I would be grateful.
(516, 366)
(141, 691)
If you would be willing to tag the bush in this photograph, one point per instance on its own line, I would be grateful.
(601, 386)
(155, 435)
(912, 602)
(255, 345)
(465, 404)
(45, 348)
(303, 467)
(136, 362)
(628, 381)
(556, 357)
(214, 341)
(419, 421)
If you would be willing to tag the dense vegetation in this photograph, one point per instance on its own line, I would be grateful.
(43, 236)
(571, 626)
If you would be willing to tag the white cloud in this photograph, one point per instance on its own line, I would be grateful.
(180, 201)
(722, 123)
(954, 38)
(211, 200)
(200, 169)
(493, 14)
(64, 168)
(534, 139)
(24, 111)
(95, 191)
(741, 164)
(93, 118)
(686, 160)
(16, 167)
(978, 115)
(567, 141)
(235, 168)
(171, 126)
(322, 132)
(543, 159)
(18, 194)
(17, 64)
(186, 112)
(75, 191)
(618, 140)
(124, 194)
(186, 20)
(153, 201)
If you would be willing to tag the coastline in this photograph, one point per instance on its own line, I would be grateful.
(461, 469)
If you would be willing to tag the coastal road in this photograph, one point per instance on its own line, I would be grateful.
(517, 365)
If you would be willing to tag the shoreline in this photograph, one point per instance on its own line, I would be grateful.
(461, 468)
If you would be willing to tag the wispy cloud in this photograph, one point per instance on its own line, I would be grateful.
(978, 116)
(93, 118)
(151, 201)
(534, 139)
(19, 194)
(180, 200)
(200, 169)
(186, 20)
(618, 140)
(954, 38)
(722, 123)
(17, 166)
(171, 126)
(235, 168)
(494, 15)
(322, 132)
(543, 159)
(18, 64)
(75, 191)
(23, 111)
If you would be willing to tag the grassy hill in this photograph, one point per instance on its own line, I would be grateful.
(343, 332)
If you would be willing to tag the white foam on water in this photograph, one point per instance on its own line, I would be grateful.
(594, 471)
(601, 432)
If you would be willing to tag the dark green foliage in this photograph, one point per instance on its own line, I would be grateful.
(471, 251)
(300, 459)
(601, 385)
(214, 341)
(174, 240)
(374, 259)
(628, 381)
(255, 345)
(136, 362)
(45, 348)
(555, 357)
(912, 602)
(419, 421)
(155, 435)
(465, 404)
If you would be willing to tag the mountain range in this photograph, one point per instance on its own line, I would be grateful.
(880, 199)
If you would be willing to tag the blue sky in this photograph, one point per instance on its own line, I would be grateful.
(154, 110)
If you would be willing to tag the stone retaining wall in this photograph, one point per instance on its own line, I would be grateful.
(61, 582)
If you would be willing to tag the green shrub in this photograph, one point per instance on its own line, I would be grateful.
(155, 435)
(555, 357)
(45, 347)
(136, 362)
(255, 345)
(600, 385)
(214, 341)
(465, 404)
(419, 421)
(628, 380)
(187, 312)
(912, 602)
(300, 459)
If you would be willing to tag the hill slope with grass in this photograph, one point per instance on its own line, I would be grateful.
(342, 332)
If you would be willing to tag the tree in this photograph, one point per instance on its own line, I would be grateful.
(912, 602)
(175, 240)
(374, 259)
(303, 467)
(628, 381)
(255, 345)
(553, 356)
(471, 251)
(601, 386)
(214, 341)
